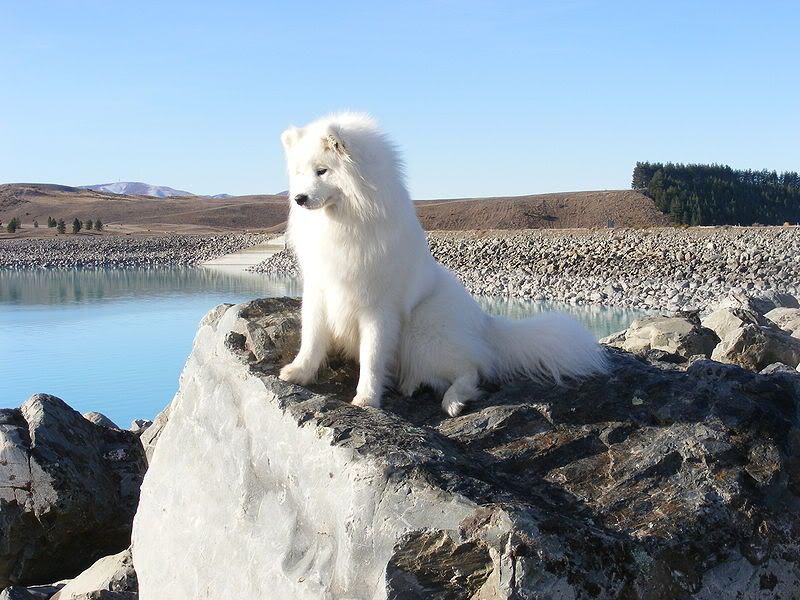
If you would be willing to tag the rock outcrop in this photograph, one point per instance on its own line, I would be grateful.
(681, 334)
(68, 491)
(659, 480)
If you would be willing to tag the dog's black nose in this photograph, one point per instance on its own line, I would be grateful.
(301, 199)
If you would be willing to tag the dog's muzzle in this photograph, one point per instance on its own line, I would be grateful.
(301, 199)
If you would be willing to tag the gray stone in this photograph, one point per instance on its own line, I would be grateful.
(725, 321)
(755, 348)
(100, 419)
(761, 303)
(113, 573)
(787, 319)
(681, 334)
(68, 491)
(659, 480)
(150, 436)
(139, 425)
(36, 592)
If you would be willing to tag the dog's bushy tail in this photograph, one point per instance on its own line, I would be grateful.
(551, 347)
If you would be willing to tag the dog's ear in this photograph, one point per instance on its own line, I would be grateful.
(290, 137)
(332, 140)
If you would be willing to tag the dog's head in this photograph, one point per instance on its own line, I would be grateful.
(332, 161)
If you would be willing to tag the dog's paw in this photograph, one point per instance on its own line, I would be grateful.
(453, 407)
(367, 400)
(299, 374)
(452, 404)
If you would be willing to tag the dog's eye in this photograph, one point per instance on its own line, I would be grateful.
(321, 172)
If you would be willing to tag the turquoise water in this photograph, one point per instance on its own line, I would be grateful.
(115, 341)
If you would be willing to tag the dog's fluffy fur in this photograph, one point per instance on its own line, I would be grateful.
(373, 290)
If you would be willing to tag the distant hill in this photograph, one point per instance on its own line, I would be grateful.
(136, 188)
(562, 210)
(123, 213)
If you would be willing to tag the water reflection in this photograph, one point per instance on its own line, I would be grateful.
(59, 287)
(601, 320)
(115, 341)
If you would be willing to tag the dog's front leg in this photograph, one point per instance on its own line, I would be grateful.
(314, 340)
(378, 335)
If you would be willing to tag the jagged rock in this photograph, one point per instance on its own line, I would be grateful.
(36, 592)
(139, 425)
(680, 334)
(68, 491)
(787, 319)
(760, 303)
(100, 419)
(755, 348)
(655, 481)
(726, 321)
(150, 436)
(113, 573)
(776, 368)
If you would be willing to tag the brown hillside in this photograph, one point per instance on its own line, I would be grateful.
(139, 213)
(566, 210)
(268, 212)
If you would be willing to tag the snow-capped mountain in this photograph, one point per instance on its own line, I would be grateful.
(136, 188)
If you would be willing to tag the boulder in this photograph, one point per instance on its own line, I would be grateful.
(760, 303)
(681, 334)
(36, 592)
(725, 321)
(100, 419)
(787, 319)
(755, 348)
(68, 491)
(654, 481)
(113, 573)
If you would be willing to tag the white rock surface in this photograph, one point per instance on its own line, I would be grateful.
(276, 507)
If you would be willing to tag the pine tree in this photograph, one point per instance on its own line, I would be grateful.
(12, 225)
(76, 225)
(61, 227)
(89, 224)
(98, 225)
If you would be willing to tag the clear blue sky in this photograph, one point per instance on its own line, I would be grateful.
(484, 97)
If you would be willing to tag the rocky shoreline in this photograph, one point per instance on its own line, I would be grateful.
(661, 269)
(115, 251)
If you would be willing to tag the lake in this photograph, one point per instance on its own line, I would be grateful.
(115, 341)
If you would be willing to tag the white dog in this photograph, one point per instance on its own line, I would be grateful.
(373, 290)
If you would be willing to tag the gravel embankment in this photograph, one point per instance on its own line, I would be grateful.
(668, 269)
(121, 251)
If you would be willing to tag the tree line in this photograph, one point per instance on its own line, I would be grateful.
(96, 224)
(720, 195)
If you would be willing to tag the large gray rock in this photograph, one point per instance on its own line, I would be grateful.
(787, 319)
(727, 321)
(761, 303)
(68, 491)
(680, 334)
(656, 481)
(36, 592)
(113, 573)
(755, 348)
(100, 419)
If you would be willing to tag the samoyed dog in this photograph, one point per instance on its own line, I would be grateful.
(372, 290)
